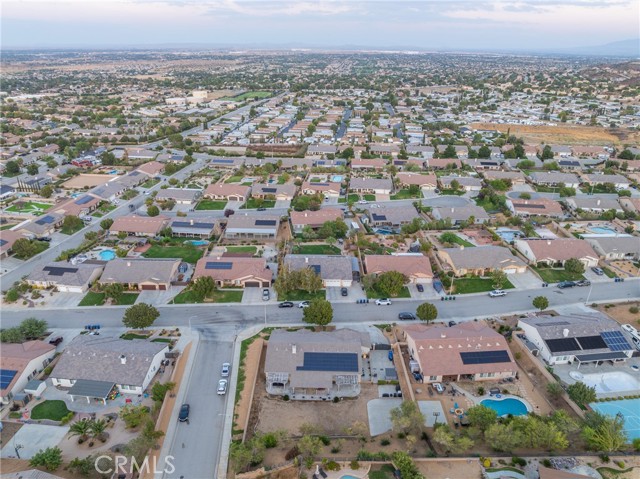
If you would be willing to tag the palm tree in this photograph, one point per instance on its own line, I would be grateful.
(80, 428)
(97, 428)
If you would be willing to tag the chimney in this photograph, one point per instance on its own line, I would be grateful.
(548, 242)
(123, 359)
(293, 349)
(526, 202)
(128, 263)
(191, 222)
(306, 214)
(565, 332)
(306, 260)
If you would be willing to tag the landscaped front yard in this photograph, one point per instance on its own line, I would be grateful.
(53, 410)
(28, 207)
(300, 295)
(253, 203)
(218, 296)
(316, 249)
(552, 275)
(374, 293)
(476, 285)
(188, 253)
(352, 198)
(211, 205)
(405, 194)
(242, 249)
(233, 179)
(93, 298)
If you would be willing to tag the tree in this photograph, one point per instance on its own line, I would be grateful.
(33, 328)
(12, 167)
(80, 428)
(566, 191)
(407, 418)
(133, 416)
(482, 417)
(574, 265)
(525, 196)
(106, 223)
(546, 154)
(449, 152)
(498, 278)
(347, 153)
(448, 238)
(526, 164)
(50, 458)
(309, 446)
(24, 248)
(581, 394)
(203, 287)
(427, 312)
(12, 296)
(502, 437)
(554, 389)
(83, 466)
(540, 302)
(404, 463)
(318, 312)
(390, 283)
(605, 434)
(159, 391)
(455, 185)
(451, 442)
(32, 169)
(248, 453)
(308, 280)
(153, 210)
(484, 152)
(113, 290)
(46, 191)
(140, 316)
(71, 224)
(97, 429)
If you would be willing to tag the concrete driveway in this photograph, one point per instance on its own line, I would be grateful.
(526, 280)
(429, 294)
(159, 297)
(254, 296)
(233, 205)
(32, 438)
(283, 204)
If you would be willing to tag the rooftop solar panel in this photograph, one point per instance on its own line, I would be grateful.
(58, 270)
(225, 161)
(83, 200)
(3, 242)
(485, 357)
(340, 362)
(270, 190)
(562, 344)
(45, 220)
(210, 265)
(615, 340)
(591, 342)
(265, 222)
(187, 224)
(553, 323)
(377, 217)
(523, 205)
(6, 376)
(316, 268)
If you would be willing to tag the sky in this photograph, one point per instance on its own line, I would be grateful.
(526, 25)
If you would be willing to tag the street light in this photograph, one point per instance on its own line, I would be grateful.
(589, 295)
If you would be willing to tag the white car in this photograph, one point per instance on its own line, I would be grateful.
(383, 302)
(497, 292)
(363, 202)
(222, 387)
(438, 387)
(226, 367)
(304, 304)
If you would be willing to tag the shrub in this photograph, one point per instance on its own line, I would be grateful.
(285, 397)
(354, 465)
(336, 399)
(604, 458)
(636, 444)
(518, 461)
(270, 440)
(372, 456)
(546, 463)
(620, 464)
(386, 442)
(291, 453)
(325, 440)
(48, 370)
(333, 466)
(634, 310)
(401, 435)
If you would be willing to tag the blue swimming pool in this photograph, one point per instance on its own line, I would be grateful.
(198, 242)
(107, 255)
(603, 230)
(349, 477)
(337, 178)
(506, 406)
(382, 231)
(629, 409)
(508, 235)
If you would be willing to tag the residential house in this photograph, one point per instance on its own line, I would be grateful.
(21, 362)
(554, 178)
(624, 247)
(151, 168)
(141, 273)
(443, 163)
(108, 191)
(555, 252)
(467, 183)
(537, 207)
(315, 365)
(582, 339)
(391, 217)
(481, 260)
(630, 204)
(515, 177)
(94, 367)
(7, 238)
(377, 186)
(313, 219)
(226, 163)
(561, 151)
(134, 225)
(415, 266)
(619, 181)
(263, 227)
(590, 151)
(368, 164)
(328, 189)
(6, 192)
(182, 196)
(43, 226)
(80, 206)
(471, 351)
(594, 203)
(140, 154)
(459, 214)
(421, 150)
(334, 270)
(429, 182)
(66, 277)
(192, 228)
(228, 271)
(275, 191)
(227, 191)
(321, 150)
(484, 163)
(386, 149)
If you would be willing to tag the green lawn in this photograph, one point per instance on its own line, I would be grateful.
(300, 295)
(70, 231)
(253, 203)
(130, 336)
(462, 242)
(39, 247)
(229, 296)
(29, 207)
(452, 192)
(373, 293)
(6, 227)
(608, 272)
(150, 182)
(370, 197)
(488, 205)
(53, 410)
(189, 254)
(385, 471)
(405, 194)
(316, 249)
(552, 275)
(250, 95)
(161, 340)
(476, 285)
(242, 249)
(127, 299)
(211, 205)
(98, 299)
(233, 179)
(353, 197)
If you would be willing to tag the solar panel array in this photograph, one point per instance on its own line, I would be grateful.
(341, 362)
(265, 222)
(485, 357)
(562, 344)
(554, 323)
(591, 342)
(615, 340)
(6, 376)
(3, 242)
(84, 200)
(45, 220)
(219, 160)
(377, 217)
(316, 268)
(58, 270)
(187, 224)
(269, 190)
(524, 205)
(210, 265)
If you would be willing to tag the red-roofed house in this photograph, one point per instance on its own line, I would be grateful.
(414, 266)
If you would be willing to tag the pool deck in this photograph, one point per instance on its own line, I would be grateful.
(563, 370)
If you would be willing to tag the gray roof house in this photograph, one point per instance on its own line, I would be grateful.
(192, 228)
(42, 226)
(141, 273)
(94, 366)
(467, 183)
(258, 227)
(335, 270)
(66, 277)
(458, 214)
(315, 366)
(481, 260)
(381, 186)
(624, 247)
(278, 192)
(594, 203)
(182, 196)
(554, 178)
(391, 217)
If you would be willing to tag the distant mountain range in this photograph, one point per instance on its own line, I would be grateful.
(624, 48)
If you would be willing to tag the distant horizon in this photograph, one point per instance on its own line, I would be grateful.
(534, 26)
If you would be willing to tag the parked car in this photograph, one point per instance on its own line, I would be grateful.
(261, 209)
(420, 288)
(497, 293)
(184, 413)
(344, 292)
(452, 323)
(303, 304)
(226, 368)
(286, 304)
(598, 271)
(405, 316)
(383, 302)
(438, 387)
(363, 202)
(566, 284)
(44, 238)
(266, 296)
(55, 341)
(222, 387)
(583, 282)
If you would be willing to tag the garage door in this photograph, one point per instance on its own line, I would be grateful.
(252, 284)
(148, 287)
(163, 287)
(332, 283)
(511, 270)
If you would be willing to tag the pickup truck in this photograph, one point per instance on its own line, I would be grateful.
(55, 341)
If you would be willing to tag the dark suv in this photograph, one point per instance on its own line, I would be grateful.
(184, 413)
(406, 316)
(566, 284)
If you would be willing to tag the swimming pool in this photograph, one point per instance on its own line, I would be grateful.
(602, 230)
(611, 382)
(506, 406)
(507, 234)
(628, 408)
(349, 477)
(336, 178)
(107, 254)
(198, 242)
(383, 231)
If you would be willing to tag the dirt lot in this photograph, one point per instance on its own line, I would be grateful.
(565, 134)
(88, 181)
(621, 313)
(451, 469)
